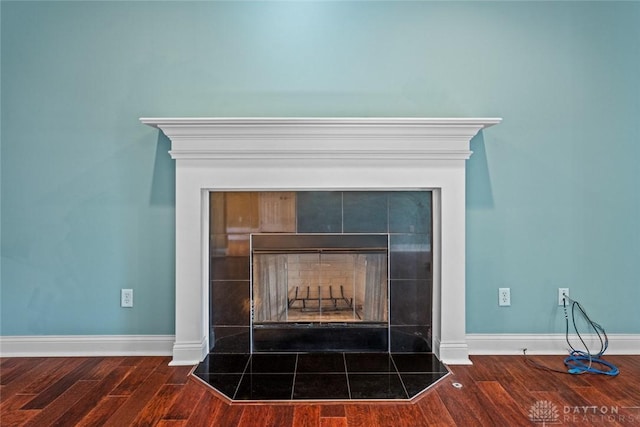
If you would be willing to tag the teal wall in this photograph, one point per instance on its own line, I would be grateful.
(87, 191)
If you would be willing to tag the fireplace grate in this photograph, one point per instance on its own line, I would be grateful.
(318, 304)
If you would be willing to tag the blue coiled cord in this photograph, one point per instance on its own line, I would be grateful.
(576, 366)
(578, 361)
(581, 362)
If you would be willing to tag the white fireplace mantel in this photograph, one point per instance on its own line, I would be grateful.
(321, 154)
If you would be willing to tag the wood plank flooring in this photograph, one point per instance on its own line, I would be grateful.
(145, 391)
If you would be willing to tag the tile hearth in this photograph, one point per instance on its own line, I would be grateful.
(320, 376)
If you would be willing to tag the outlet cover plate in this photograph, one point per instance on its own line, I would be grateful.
(561, 292)
(504, 297)
(126, 298)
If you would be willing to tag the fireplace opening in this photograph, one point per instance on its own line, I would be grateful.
(329, 271)
(306, 278)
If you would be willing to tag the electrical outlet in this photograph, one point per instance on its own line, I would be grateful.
(504, 296)
(126, 298)
(561, 293)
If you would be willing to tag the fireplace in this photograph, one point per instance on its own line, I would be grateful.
(321, 155)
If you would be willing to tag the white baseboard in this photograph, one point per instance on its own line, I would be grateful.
(162, 345)
(86, 345)
(512, 344)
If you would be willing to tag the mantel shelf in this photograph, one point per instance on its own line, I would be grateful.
(285, 138)
(159, 122)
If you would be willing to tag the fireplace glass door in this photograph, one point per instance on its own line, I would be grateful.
(307, 278)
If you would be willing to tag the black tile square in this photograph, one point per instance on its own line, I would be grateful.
(410, 242)
(321, 386)
(411, 339)
(376, 386)
(410, 212)
(274, 363)
(365, 212)
(417, 363)
(369, 362)
(265, 387)
(216, 212)
(223, 364)
(319, 211)
(240, 210)
(416, 383)
(230, 303)
(320, 362)
(410, 302)
(410, 265)
(231, 339)
(230, 268)
(224, 383)
(218, 244)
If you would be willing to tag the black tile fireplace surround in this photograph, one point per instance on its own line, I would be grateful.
(390, 360)
(402, 216)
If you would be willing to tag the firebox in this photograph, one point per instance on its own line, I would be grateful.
(306, 278)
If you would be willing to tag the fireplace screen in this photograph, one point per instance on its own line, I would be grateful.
(319, 278)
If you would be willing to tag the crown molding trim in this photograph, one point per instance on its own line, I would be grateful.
(325, 138)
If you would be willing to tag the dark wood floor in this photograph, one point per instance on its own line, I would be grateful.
(145, 391)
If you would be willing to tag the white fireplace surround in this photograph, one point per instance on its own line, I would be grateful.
(295, 154)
